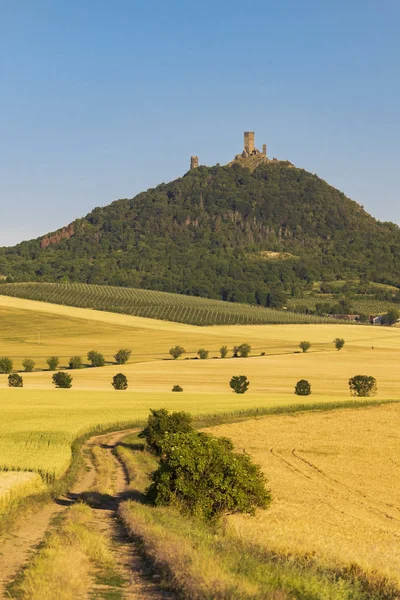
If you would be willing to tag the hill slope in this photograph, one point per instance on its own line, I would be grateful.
(212, 233)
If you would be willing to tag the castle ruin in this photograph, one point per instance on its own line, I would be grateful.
(194, 162)
(249, 150)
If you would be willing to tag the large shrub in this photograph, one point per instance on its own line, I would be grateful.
(203, 354)
(223, 351)
(61, 379)
(339, 343)
(177, 388)
(6, 365)
(53, 362)
(161, 422)
(176, 352)
(305, 346)
(15, 380)
(28, 365)
(96, 359)
(202, 476)
(75, 362)
(119, 382)
(244, 350)
(122, 356)
(363, 385)
(302, 388)
(239, 384)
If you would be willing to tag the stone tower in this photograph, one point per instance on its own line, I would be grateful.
(248, 142)
(194, 162)
(264, 149)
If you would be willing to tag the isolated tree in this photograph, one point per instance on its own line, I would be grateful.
(239, 384)
(53, 362)
(160, 423)
(244, 350)
(28, 365)
(363, 385)
(202, 476)
(61, 379)
(96, 359)
(119, 382)
(305, 346)
(339, 343)
(177, 388)
(122, 356)
(6, 365)
(176, 352)
(391, 317)
(203, 354)
(15, 380)
(223, 351)
(302, 388)
(75, 362)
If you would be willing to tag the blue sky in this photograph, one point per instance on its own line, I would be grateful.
(100, 100)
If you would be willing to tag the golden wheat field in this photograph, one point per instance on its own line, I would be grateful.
(335, 483)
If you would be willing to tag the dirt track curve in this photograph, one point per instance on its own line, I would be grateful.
(140, 580)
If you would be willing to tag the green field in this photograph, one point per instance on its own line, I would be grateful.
(155, 305)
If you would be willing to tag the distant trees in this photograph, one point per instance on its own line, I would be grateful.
(15, 380)
(244, 350)
(119, 382)
(6, 365)
(61, 379)
(363, 385)
(239, 384)
(302, 388)
(177, 388)
(122, 356)
(305, 346)
(75, 362)
(176, 352)
(203, 354)
(53, 363)
(96, 358)
(391, 317)
(28, 365)
(339, 343)
(223, 351)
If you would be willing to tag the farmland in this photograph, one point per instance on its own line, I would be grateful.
(155, 305)
(333, 477)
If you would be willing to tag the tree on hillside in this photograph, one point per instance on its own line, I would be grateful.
(223, 351)
(161, 422)
(302, 388)
(391, 317)
(239, 384)
(15, 380)
(339, 343)
(75, 362)
(6, 365)
(244, 350)
(305, 346)
(96, 359)
(363, 385)
(61, 379)
(120, 382)
(176, 352)
(28, 365)
(122, 356)
(177, 388)
(203, 354)
(53, 362)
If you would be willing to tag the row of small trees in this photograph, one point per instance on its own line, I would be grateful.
(62, 379)
(95, 358)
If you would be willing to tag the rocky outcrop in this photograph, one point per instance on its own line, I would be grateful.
(55, 238)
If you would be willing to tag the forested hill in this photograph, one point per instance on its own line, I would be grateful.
(219, 232)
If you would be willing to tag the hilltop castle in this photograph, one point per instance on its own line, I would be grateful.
(249, 149)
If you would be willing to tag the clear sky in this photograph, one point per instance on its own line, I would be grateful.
(100, 100)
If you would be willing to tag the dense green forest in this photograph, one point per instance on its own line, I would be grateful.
(208, 233)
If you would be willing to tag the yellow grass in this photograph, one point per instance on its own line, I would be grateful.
(335, 485)
(16, 484)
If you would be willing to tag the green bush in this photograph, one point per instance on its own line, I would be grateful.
(202, 476)
(15, 380)
(61, 379)
(339, 343)
(203, 354)
(243, 350)
(75, 362)
(391, 317)
(28, 365)
(239, 384)
(122, 356)
(177, 388)
(302, 388)
(161, 422)
(305, 346)
(120, 382)
(176, 352)
(363, 385)
(223, 351)
(96, 359)
(53, 363)
(6, 365)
